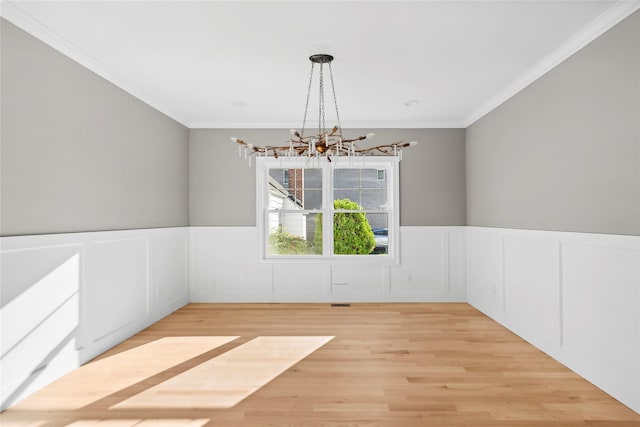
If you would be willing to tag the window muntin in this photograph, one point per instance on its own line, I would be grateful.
(299, 218)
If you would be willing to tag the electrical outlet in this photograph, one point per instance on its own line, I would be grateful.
(410, 277)
(243, 277)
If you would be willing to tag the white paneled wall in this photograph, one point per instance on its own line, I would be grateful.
(68, 297)
(576, 296)
(225, 267)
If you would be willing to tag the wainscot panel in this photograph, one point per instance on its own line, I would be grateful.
(575, 296)
(225, 267)
(68, 297)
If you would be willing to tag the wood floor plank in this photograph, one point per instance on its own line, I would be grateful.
(139, 423)
(389, 365)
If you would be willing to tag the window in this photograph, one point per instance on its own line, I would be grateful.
(319, 210)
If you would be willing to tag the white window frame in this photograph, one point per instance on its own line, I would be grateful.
(391, 167)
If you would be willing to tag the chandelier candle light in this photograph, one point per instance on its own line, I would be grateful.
(325, 143)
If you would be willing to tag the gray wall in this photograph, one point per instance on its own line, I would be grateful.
(564, 154)
(432, 175)
(78, 153)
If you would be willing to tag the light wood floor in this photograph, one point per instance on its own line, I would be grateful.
(387, 365)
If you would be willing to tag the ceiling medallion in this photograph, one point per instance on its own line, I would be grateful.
(327, 142)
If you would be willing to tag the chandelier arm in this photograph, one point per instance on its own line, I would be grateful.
(360, 138)
(302, 148)
(367, 150)
(406, 144)
(399, 144)
(378, 148)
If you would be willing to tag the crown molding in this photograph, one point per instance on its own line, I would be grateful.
(18, 17)
(619, 11)
(369, 124)
(607, 20)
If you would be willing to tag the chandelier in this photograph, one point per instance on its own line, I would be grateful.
(326, 142)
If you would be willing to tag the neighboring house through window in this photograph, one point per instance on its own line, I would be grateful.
(317, 209)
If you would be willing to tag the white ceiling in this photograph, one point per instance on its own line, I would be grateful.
(245, 64)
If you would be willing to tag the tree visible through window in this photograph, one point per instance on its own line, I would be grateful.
(327, 209)
(352, 233)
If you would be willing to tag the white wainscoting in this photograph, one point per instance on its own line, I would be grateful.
(68, 297)
(575, 296)
(225, 267)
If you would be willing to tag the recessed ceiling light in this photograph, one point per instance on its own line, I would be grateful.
(411, 102)
(238, 103)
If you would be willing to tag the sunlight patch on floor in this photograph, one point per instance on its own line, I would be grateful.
(225, 380)
(23, 423)
(99, 379)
